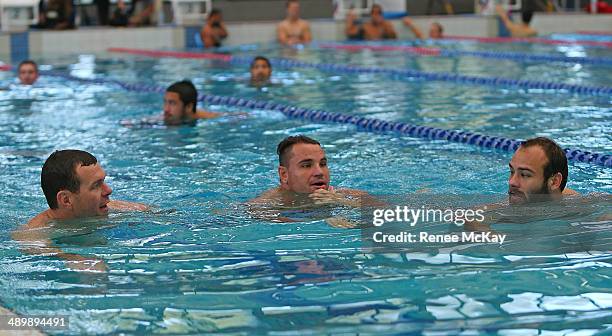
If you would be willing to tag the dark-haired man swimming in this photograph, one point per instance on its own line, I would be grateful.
(74, 187)
(305, 182)
(180, 102)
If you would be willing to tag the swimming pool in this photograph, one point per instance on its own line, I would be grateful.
(200, 264)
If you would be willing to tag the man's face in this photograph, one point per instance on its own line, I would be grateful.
(216, 18)
(306, 170)
(293, 10)
(28, 74)
(376, 15)
(93, 195)
(527, 175)
(434, 31)
(260, 71)
(174, 109)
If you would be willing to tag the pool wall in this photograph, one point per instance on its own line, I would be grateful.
(19, 45)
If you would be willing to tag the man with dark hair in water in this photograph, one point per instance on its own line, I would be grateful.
(27, 72)
(261, 70)
(304, 182)
(180, 102)
(74, 187)
(73, 184)
(538, 171)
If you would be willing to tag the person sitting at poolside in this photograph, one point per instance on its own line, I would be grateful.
(214, 30)
(517, 30)
(376, 29)
(305, 182)
(180, 102)
(436, 31)
(261, 71)
(293, 30)
(27, 72)
(74, 187)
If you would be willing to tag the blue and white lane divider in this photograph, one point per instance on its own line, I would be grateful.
(493, 54)
(438, 76)
(367, 124)
(445, 77)
(526, 57)
(395, 73)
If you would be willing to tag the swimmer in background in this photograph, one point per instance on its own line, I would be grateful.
(179, 108)
(436, 31)
(261, 71)
(27, 72)
(305, 183)
(376, 29)
(74, 187)
(180, 102)
(517, 29)
(293, 30)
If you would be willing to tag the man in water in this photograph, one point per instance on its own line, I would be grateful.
(436, 31)
(28, 72)
(538, 171)
(305, 182)
(261, 70)
(517, 29)
(73, 184)
(293, 30)
(180, 102)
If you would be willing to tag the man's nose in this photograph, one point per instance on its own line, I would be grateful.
(317, 171)
(107, 190)
(514, 180)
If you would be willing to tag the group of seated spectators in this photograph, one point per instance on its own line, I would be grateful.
(59, 14)
(295, 30)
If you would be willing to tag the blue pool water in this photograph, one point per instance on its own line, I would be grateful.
(200, 264)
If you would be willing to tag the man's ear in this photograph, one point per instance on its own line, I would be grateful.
(64, 199)
(554, 182)
(189, 108)
(283, 175)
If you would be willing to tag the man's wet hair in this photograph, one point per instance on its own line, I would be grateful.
(377, 6)
(284, 147)
(26, 62)
(213, 12)
(260, 58)
(289, 2)
(557, 161)
(186, 91)
(59, 173)
(440, 27)
(527, 15)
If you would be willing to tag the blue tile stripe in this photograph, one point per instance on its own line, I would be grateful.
(20, 47)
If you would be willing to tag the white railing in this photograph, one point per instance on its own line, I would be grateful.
(359, 7)
(487, 7)
(189, 11)
(18, 14)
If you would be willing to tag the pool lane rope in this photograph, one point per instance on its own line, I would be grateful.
(363, 123)
(394, 73)
(504, 55)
